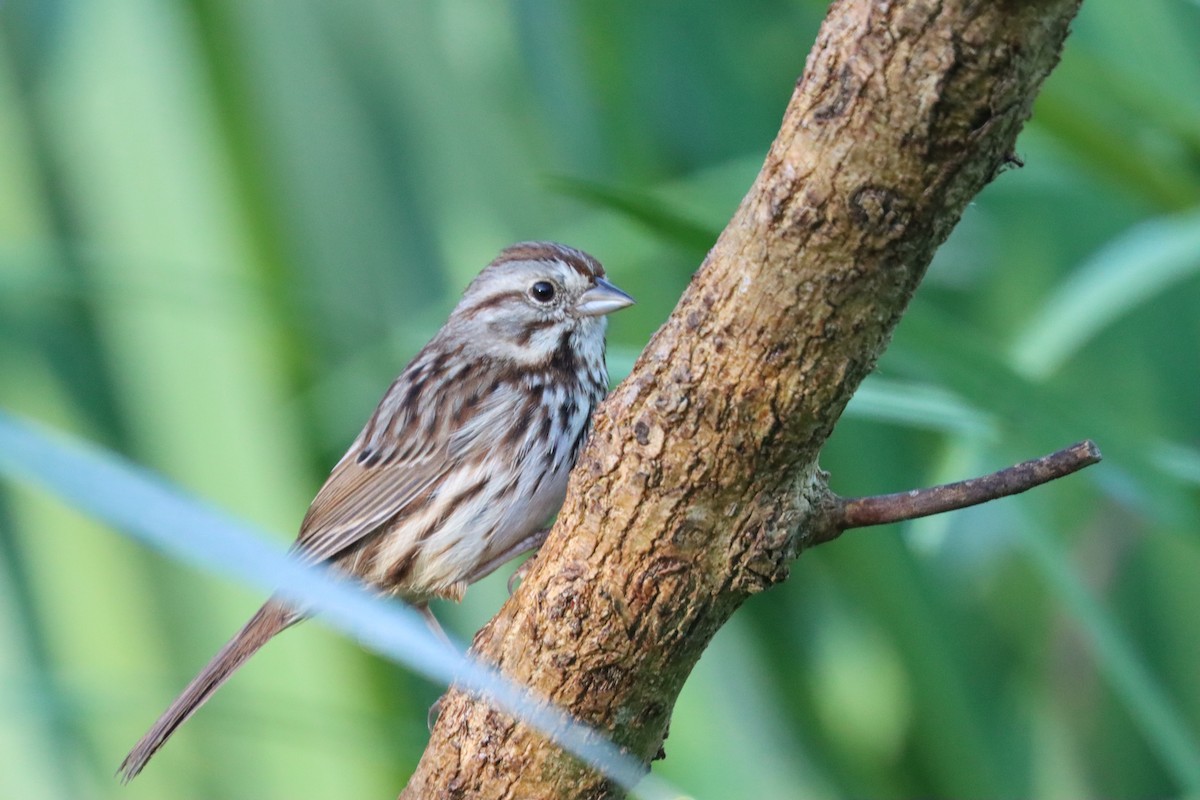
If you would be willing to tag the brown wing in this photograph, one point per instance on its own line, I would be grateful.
(363, 493)
(359, 499)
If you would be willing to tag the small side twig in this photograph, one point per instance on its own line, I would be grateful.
(860, 512)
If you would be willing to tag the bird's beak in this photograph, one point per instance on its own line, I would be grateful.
(603, 298)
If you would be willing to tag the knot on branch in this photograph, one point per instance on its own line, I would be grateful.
(773, 528)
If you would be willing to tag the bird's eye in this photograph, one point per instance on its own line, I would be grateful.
(542, 291)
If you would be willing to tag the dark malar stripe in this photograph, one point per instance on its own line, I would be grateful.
(563, 364)
(532, 327)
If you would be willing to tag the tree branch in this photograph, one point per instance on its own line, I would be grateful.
(700, 483)
(860, 512)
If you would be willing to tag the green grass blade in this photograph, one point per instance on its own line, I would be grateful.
(918, 405)
(1145, 699)
(655, 214)
(148, 509)
(1179, 461)
(1138, 265)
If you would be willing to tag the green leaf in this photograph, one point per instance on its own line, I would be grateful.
(1128, 271)
(1178, 461)
(918, 405)
(1145, 698)
(655, 214)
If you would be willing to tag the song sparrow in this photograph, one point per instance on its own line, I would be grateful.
(465, 458)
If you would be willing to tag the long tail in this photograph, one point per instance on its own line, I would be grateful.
(266, 622)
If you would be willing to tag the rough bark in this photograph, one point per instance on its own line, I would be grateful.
(700, 484)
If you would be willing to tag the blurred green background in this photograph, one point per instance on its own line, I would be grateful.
(226, 224)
